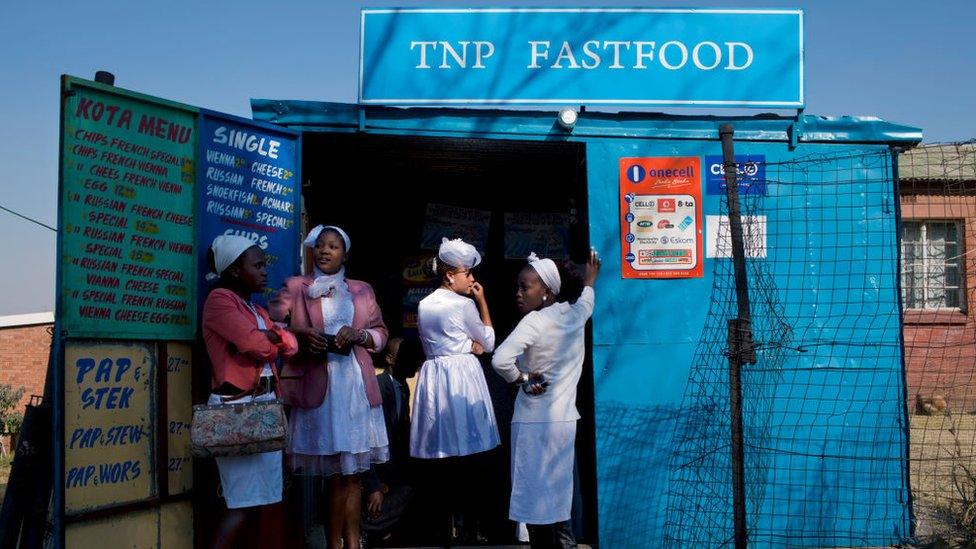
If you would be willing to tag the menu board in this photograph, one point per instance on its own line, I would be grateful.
(179, 414)
(109, 429)
(249, 186)
(127, 186)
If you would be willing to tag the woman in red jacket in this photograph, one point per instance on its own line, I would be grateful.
(336, 424)
(242, 344)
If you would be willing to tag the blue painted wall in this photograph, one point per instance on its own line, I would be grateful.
(824, 405)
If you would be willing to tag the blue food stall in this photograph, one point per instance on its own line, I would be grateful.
(545, 165)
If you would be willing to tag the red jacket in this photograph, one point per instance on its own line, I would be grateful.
(235, 344)
(305, 378)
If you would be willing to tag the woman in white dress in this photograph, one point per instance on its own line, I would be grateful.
(453, 420)
(452, 411)
(544, 354)
(336, 425)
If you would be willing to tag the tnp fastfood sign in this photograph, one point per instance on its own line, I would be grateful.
(679, 57)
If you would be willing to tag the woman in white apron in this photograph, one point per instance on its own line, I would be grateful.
(544, 354)
(242, 342)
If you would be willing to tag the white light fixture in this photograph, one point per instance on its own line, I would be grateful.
(567, 118)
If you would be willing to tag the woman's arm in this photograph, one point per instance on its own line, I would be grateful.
(522, 337)
(475, 327)
(375, 334)
(223, 315)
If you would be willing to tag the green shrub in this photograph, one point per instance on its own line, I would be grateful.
(10, 418)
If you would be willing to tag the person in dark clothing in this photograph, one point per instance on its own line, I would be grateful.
(389, 486)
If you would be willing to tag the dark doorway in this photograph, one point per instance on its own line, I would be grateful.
(379, 188)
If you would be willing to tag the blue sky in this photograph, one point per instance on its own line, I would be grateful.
(908, 62)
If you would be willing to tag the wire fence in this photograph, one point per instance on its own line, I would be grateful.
(938, 242)
(860, 412)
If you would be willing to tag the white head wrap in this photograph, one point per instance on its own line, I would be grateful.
(227, 248)
(458, 253)
(547, 272)
(313, 235)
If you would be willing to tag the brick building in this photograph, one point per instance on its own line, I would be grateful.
(938, 208)
(24, 344)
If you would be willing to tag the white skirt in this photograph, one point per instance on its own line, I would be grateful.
(344, 435)
(542, 472)
(247, 481)
(452, 413)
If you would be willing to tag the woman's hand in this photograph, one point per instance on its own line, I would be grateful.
(346, 337)
(535, 385)
(477, 349)
(593, 265)
(313, 340)
(478, 292)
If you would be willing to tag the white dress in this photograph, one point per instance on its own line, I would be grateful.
(344, 435)
(452, 412)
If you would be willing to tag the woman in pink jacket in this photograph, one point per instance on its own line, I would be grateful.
(242, 344)
(337, 428)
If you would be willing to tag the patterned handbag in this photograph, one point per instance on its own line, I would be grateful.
(238, 429)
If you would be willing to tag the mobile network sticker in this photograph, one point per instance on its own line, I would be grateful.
(751, 174)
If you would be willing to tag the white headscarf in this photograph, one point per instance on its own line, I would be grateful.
(227, 248)
(458, 254)
(547, 272)
(313, 235)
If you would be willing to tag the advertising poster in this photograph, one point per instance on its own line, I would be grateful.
(750, 174)
(416, 285)
(249, 186)
(126, 249)
(660, 217)
(718, 236)
(546, 234)
(443, 221)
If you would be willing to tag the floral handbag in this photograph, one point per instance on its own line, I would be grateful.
(238, 429)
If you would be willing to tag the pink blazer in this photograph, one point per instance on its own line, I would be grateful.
(235, 345)
(304, 378)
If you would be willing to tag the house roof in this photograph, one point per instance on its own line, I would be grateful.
(31, 319)
(944, 161)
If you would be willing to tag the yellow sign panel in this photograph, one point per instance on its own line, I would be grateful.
(109, 424)
(176, 526)
(179, 407)
(166, 527)
(136, 530)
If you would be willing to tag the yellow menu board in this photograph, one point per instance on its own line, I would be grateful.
(109, 405)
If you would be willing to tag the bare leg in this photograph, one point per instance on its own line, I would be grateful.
(229, 528)
(353, 511)
(337, 505)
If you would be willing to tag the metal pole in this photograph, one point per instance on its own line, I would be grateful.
(740, 338)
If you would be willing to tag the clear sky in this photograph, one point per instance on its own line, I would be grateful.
(907, 62)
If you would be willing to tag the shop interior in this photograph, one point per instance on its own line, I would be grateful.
(388, 193)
